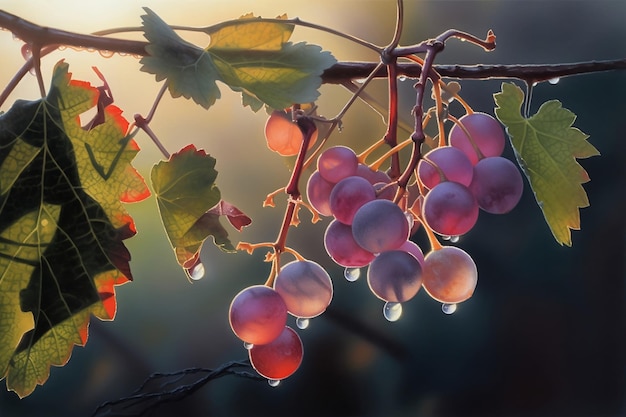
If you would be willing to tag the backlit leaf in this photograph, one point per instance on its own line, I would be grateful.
(62, 225)
(185, 190)
(253, 57)
(547, 146)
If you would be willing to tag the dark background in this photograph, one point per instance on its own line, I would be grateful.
(544, 334)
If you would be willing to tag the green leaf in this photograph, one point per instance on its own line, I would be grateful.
(62, 225)
(253, 57)
(185, 191)
(547, 147)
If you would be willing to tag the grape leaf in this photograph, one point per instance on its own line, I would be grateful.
(62, 225)
(547, 147)
(253, 57)
(187, 199)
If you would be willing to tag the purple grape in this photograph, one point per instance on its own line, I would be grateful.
(305, 287)
(373, 177)
(450, 209)
(343, 249)
(395, 276)
(412, 248)
(337, 163)
(497, 185)
(445, 163)
(258, 314)
(379, 226)
(486, 134)
(318, 193)
(348, 196)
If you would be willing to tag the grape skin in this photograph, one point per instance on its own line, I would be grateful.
(379, 226)
(449, 275)
(413, 248)
(280, 358)
(318, 193)
(283, 136)
(337, 163)
(343, 249)
(348, 196)
(395, 276)
(450, 209)
(448, 161)
(497, 185)
(257, 314)
(305, 287)
(486, 133)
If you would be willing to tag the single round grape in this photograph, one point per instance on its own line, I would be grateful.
(497, 185)
(450, 209)
(348, 196)
(413, 248)
(445, 163)
(283, 135)
(379, 226)
(394, 276)
(306, 288)
(280, 358)
(258, 314)
(486, 134)
(318, 193)
(373, 177)
(337, 163)
(449, 275)
(342, 248)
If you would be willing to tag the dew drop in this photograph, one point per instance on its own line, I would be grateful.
(446, 237)
(27, 52)
(247, 345)
(402, 78)
(392, 311)
(454, 239)
(302, 323)
(352, 274)
(273, 382)
(360, 80)
(448, 308)
(410, 219)
(554, 80)
(104, 53)
(196, 272)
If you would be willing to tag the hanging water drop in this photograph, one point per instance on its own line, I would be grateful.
(273, 382)
(196, 272)
(392, 311)
(247, 345)
(446, 237)
(402, 78)
(104, 53)
(302, 323)
(554, 80)
(352, 274)
(454, 239)
(448, 308)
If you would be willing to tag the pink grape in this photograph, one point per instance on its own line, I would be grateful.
(450, 209)
(413, 248)
(450, 275)
(337, 163)
(373, 177)
(348, 196)
(280, 358)
(306, 288)
(486, 134)
(379, 226)
(258, 314)
(283, 135)
(343, 249)
(445, 163)
(385, 190)
(497, 185)
(395, 276)
(318, 193)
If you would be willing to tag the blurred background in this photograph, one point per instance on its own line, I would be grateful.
(544, 334)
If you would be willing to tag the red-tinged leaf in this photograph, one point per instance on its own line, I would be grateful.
(185, 191)
(62, 225)
(236, 217)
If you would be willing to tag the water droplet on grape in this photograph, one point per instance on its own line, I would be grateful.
(554, 80)
(392, 311)
(448, 308)
(446, 237)
(247, 345)
(273, 382)
(352, 274)
(454, 239)
(302, 323)
(196, 272)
